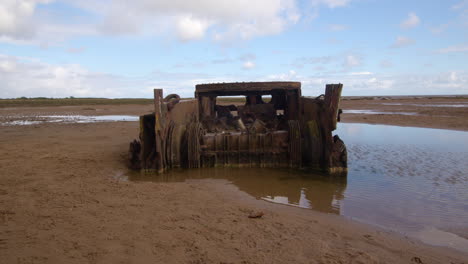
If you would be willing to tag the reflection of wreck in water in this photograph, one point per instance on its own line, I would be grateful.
(288, 131)
(297, 188)
(319, 192)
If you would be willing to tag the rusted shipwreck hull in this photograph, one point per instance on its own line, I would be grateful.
(287, 131)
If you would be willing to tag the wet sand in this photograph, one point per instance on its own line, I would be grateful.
(63, 201)
(446, 113)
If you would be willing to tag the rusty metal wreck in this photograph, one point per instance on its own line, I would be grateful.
(274, 127)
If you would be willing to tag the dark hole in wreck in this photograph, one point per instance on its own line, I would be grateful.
(284, 130)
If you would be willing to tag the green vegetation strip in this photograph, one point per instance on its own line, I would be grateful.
(69, 101)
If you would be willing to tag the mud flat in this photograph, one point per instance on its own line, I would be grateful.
(65, 199)
(449, 112)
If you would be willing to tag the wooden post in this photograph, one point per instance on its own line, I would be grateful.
(159, 128)
(329, 120)
(332, 100)
(293, 105)
(207, 108)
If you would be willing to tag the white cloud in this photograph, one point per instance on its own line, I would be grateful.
(189, 28)
(454, 49)
(190, 20)
(402, 41)
(410, 22)
(21, 23)
(248, 65)
(290, 75)
(455, 82)
(31, 77)
(20, 76)
(222, 20)
(16, 17)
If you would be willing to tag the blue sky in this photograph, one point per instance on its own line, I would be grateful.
(118, 48)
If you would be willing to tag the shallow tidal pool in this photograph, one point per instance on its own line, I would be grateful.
(405, 179)
(65, 119)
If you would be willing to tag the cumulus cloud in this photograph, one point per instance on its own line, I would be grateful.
(193, 19)
(224, 20)
(402, 41)
(221, 20)
(189, 28)
(455, 82)
(248, 60)
(411, 21)
(16, 17)
(290, 75)
(22, 22)
(20, 76)
(31, 77)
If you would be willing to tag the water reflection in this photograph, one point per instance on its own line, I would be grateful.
(430, 105)
(291, 187)
(372, 112)
(40, 119)
(406, 179)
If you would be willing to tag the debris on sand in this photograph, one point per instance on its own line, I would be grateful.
(256, 215)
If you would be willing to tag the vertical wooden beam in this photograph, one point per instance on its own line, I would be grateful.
(293, 105)
(159, 128)
(332, 101)
(213, 105)
(207, 106)
(329, 120)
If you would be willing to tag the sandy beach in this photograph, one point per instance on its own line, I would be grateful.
(436, 112)
(63, 200)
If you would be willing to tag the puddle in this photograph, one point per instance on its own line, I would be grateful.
(284, 186)
(372, 112)
(429, 105)
(438, 237)
(409, 180)
(34, 120)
